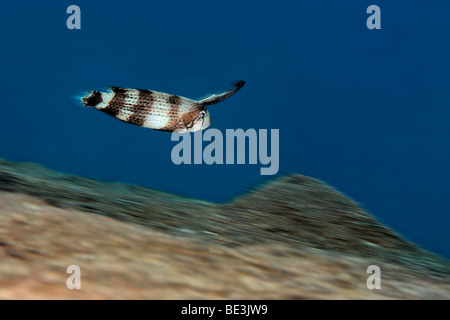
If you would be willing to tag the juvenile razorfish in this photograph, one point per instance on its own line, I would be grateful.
(157, 110)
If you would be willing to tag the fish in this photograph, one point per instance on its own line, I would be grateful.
(157, 110)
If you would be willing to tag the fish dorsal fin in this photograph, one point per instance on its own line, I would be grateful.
(218, 97)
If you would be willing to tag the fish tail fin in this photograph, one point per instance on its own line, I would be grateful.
(91, 99)
(216, 98)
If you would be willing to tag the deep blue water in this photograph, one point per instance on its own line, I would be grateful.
(365, 110)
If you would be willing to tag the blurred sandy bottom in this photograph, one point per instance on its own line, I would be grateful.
(122, 260)
(292, 238)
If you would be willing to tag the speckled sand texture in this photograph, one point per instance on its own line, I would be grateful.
(292, 238)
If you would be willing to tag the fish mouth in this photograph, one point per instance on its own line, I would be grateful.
(206, 121)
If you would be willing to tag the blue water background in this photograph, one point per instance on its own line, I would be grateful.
(365, 110)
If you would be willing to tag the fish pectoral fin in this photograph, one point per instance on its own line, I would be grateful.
(216, 98)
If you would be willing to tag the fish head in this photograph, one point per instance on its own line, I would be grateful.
(202, 122)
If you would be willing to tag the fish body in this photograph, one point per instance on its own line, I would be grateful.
(156, 110)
